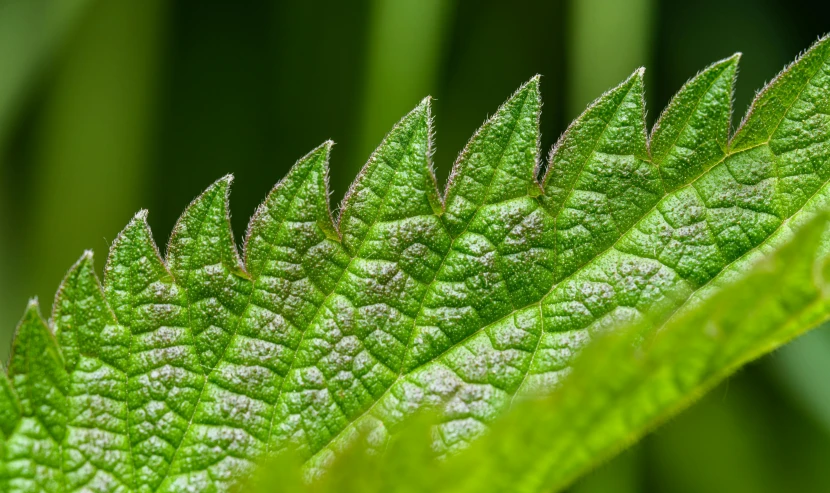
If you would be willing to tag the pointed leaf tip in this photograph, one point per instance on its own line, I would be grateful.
(222, 183)
(499, 162)
(137, 223)
(202, 246)
(728, 61)
(531, 85)
(691, 133)
(775, 100)
(321, 151)
(86, 259)
(36, 369)
(423, 109)
(300, 196)
(32, 311)
(404, 154)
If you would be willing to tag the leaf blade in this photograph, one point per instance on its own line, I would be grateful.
(165, 376)
(684, 141)
(96, 448)
(33, 451)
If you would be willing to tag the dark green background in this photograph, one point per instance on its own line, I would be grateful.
(110, 106)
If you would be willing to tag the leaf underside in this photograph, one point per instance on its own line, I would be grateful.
(179, 373)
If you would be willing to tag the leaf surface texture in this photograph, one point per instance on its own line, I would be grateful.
(179, 373)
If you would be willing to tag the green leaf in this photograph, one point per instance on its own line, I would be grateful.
(619, 389)
(692, 133)
(186, 371)
(36, 369)
(294, 259)
(600, 180)
(164, 377)
(96, 448)
(203, 257)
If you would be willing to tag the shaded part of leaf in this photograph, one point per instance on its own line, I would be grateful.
(678, 235)
(204, 261)
(165, 378)
(770, 108)
(36, 369)
(294, 263)
(493, 167)
(600, 181)
(96, 449)
(692, 133)
(355, 347)
(742, 200)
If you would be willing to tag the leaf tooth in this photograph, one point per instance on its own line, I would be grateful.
(396, 183)
(65, 334)
(204, 260)
(200, 214)
(600, 180)
(580, 139)
(302, 195)
(500, 161)
(772, 102)
(136, 234)
(421, 111)
(165, 374)
(717, 67)
(691, 134)
(37, 370)
(80, 314)
(95, 349)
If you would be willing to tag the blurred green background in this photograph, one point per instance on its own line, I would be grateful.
(110, 106)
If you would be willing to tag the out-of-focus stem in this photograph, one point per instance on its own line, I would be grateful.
(31, 31)
(92, 143)
(404, 55)
(608, 39)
